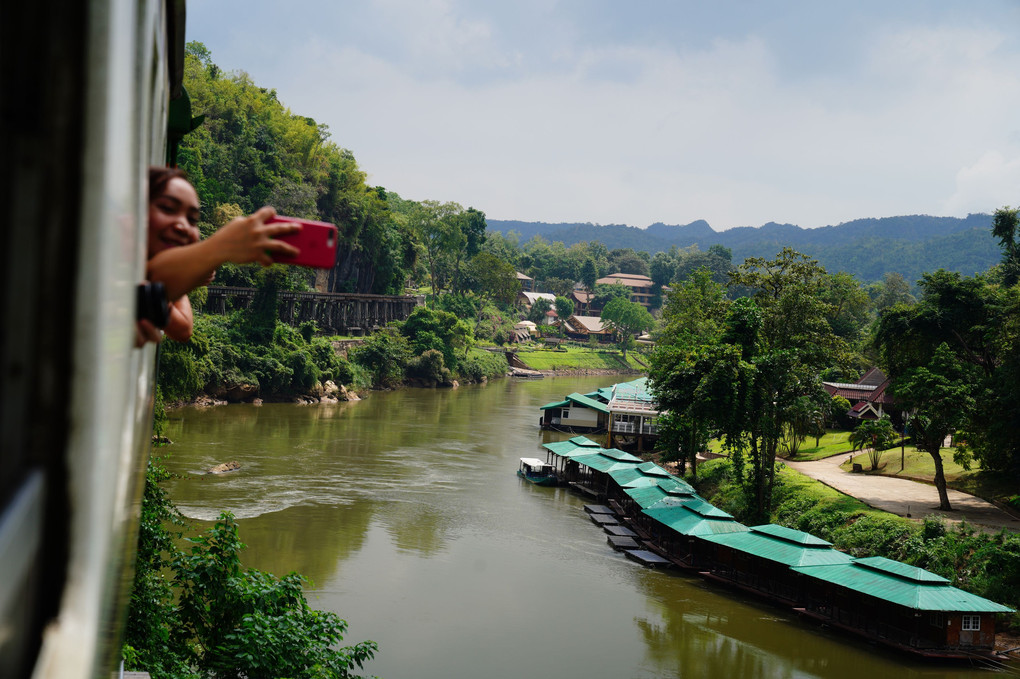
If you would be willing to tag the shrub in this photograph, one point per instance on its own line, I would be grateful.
(211, 618)
(384, 355)
(430, 367)
(304, 373)
(480, 364)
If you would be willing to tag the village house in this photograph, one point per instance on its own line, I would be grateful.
(868, 396)
(528, 299)
(582, 302)
(900, 605)
(582, 328)
(626, 412)
(527, 282)
(642, 288)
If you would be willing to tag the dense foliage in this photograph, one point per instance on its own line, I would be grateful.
(954, 358)
(748, 368)
(199, 613)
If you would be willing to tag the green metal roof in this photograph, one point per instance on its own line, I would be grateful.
(577, 445)
(789, 552)
(607, 460)
(555, 404)
(580, 399)
(791, 535)
(900, 570)
(563, 447)
(706, 509)
(661, 494)
(645, 474)
(620, 455)
(900, 584)
(635, 390)
(686, 521)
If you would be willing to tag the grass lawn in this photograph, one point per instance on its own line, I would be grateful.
(576, 358)
(920, 466)
(832, 443)
(803, 486)
(795, 484)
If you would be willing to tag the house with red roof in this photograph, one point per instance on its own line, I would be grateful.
(868, 396)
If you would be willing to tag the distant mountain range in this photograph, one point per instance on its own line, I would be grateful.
(867, 248)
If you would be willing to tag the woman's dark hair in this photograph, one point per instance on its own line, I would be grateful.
(159, 177)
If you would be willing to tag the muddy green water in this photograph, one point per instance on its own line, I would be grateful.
(406, 512)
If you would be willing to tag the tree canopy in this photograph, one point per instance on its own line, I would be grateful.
(743, 368)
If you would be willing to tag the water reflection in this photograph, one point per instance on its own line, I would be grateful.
(406, 512)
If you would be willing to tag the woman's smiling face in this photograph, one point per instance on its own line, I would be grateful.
(173, 216)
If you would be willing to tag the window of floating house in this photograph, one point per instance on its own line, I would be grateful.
(971, 623)
(936, 619)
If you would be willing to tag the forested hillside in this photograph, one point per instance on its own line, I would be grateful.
(867, 248)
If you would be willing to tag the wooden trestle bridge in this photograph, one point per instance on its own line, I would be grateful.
(347, 313)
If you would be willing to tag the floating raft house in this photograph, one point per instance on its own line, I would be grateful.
(899, 605)
(660, 520)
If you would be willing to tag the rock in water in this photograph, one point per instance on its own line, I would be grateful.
(225, 467)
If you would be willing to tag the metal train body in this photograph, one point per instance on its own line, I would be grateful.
(84, 94)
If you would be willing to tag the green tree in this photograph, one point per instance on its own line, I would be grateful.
(893, 290)
(440, 330)
(261, 315)
(875, 435)
(564, 307)
(589, 273)
(692, 324)
(561, 287)
(662, 268)
(200, 614)
(603, 294)
(436, 226)
(748, 364)
(626, 260)
(385, 355)
(626, 319)
(805, 419)
(249, 623)
(495, 278)
(537, 312)
(939, 398)
(472, 227)
(977, 321)
(1006, 227)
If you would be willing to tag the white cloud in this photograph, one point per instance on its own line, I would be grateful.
(452, 102)
(988, 184)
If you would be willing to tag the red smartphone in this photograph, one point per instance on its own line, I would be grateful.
(315, 240)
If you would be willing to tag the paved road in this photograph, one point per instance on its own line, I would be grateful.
(903, 496)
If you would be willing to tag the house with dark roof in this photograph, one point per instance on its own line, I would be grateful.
(582, 302)
(868, 396)
(527, 282)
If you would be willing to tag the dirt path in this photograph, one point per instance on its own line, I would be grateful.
(904, 497)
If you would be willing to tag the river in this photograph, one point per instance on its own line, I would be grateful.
(405, 511)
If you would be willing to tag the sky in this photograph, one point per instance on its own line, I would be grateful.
(736, 112)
